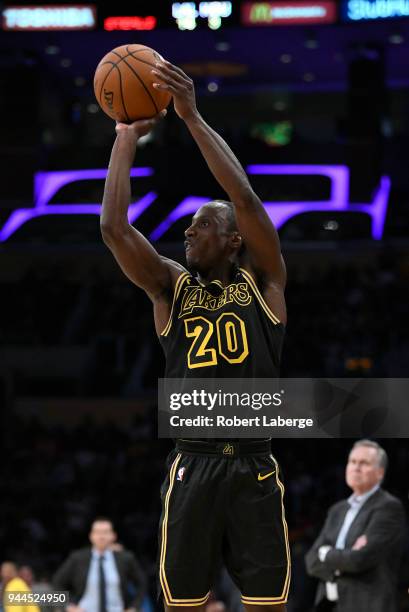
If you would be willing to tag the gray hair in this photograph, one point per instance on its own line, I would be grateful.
(381, 453)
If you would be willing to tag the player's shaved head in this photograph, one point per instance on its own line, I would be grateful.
(227, 209)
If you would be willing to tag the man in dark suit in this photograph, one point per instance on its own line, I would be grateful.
(357, 554)
(100, 579)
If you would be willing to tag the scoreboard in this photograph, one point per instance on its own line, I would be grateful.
(192, 15)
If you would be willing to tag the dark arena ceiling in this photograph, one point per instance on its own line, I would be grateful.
(238, 58)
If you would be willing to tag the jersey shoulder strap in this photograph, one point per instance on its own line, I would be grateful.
(257, 293)
(176, 292)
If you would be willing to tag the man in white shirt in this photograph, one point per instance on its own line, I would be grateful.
(100, 579)
(357, 554)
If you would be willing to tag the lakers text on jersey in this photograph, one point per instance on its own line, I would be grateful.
(221, 332)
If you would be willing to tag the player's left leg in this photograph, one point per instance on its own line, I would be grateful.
(256, 551)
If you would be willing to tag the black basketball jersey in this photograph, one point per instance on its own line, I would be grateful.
(221, 332)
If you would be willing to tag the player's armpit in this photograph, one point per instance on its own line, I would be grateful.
(260, 237)
(139, 260)
(272, 291)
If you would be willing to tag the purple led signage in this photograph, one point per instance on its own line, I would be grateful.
(280, 212)
(188, 206)
(47, 184)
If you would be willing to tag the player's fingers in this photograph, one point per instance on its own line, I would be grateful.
(177, 76)
(166, 78)
(176, 70)
(166, 87)
(120, 126)
(152, 122)
(148, 124)
(157, 117)
(171, 84)
(160, 74)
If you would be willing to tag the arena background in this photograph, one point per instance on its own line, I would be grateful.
(79, 359)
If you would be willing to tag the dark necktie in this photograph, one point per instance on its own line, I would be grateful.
(102, 585)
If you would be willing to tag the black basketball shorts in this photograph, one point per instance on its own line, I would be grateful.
(223, 503)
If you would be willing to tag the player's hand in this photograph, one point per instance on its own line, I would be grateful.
(139, 128)
(360, 542)
(172, 78)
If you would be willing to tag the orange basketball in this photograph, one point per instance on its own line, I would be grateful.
(123, 84)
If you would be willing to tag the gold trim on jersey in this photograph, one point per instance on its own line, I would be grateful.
(176, 291)
(170, 601)
(260, 601)
(258, 295)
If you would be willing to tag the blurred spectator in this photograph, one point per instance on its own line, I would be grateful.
(357, 555)
(98, 578)
(42, 587)
(26, 573)
(12, 582)
(67, 475)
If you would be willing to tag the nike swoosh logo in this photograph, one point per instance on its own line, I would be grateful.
(260, 477)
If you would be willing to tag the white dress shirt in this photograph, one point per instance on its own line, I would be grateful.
(355, 502)
(90, 599)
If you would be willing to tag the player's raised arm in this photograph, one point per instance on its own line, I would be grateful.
(257, 230)
(133, 252)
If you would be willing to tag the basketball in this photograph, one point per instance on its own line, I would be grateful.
(123, 84)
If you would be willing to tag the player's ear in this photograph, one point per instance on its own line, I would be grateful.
(236, 240)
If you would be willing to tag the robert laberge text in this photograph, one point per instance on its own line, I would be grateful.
(222, 421)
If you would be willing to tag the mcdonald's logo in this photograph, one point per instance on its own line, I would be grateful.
(288, 13)
(260, 13)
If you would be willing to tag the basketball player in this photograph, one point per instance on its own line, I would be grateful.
(220, 500)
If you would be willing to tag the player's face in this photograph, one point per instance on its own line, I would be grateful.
(363, 471)
(208, 240)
